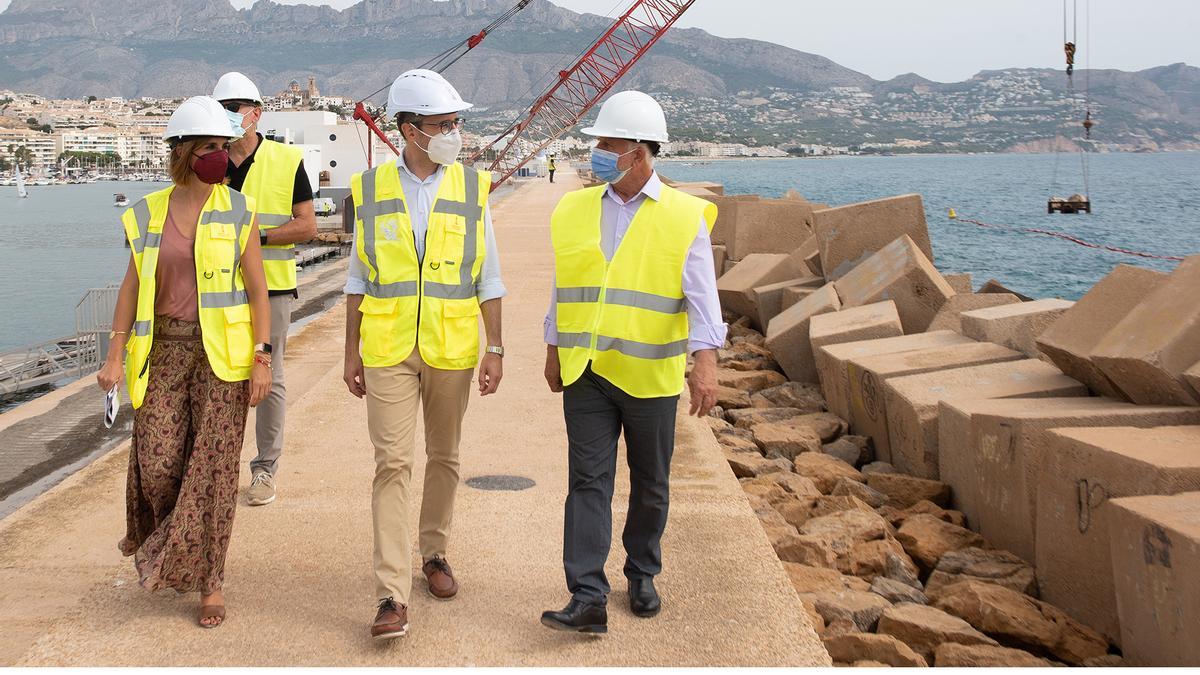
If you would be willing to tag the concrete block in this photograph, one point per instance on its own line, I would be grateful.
(809, 253)
(1192, 376)
(792, 295)
(1155, 543)
(718, 260)
(1069, 341)
(1082, 471)
(912, 401)
(770, 226)
(701, 188)
(787, 334)
(900, 272)
(961, 283)
(729, 264)
(868, 322)
(1145, 354)
(850, 234)
(768, 299)
(1014, 326)
(867, 377)
(949, 317)
(993, 286)
(736, 287)
(835, 383)
(989, 452)
(727, 216)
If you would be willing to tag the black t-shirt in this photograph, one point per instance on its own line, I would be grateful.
(301, 190)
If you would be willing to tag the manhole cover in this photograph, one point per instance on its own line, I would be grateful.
(511, 483)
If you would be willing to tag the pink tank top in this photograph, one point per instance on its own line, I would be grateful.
(176, 295)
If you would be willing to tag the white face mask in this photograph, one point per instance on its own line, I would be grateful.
(443, 148)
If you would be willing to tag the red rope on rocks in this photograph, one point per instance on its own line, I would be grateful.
(1075, 240)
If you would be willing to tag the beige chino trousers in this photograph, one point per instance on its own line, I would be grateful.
(393, 394)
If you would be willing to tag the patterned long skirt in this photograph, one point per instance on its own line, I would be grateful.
(183, 467)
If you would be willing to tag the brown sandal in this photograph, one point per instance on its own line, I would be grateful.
(212, 612)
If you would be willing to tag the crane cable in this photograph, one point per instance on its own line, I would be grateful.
(1069, 48)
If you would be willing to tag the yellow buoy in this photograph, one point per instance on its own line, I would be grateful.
(952, 214)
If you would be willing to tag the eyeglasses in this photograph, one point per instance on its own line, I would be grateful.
(447, 126)
(235, 106)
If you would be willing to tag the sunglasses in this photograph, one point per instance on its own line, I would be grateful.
(236, 106)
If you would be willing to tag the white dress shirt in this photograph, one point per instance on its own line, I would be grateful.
(419, 197)
(706, 330)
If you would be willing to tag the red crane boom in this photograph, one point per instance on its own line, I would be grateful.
(579, 87)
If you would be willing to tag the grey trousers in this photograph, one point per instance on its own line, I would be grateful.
(268, 425)
(596, 413)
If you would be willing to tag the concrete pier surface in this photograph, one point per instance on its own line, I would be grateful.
(299, 586)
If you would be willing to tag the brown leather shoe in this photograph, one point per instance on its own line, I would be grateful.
(391, 621)
(441, 580)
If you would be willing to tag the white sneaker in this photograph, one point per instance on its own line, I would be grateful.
(262, 489)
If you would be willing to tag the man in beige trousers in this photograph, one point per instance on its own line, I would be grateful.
(425, 269)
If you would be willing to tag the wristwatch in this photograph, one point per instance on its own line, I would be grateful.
(262, 238)
(264, 347)
(498, 351)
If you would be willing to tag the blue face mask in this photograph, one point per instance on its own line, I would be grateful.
(604, 165)
(236, 120)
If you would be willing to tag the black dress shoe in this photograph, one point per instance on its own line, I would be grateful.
(578, 616)
(643, 598)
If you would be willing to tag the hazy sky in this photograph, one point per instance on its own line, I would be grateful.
(945, 40)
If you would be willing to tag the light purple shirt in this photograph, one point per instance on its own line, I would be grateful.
(706, 330)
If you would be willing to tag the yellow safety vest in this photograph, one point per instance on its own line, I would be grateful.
(628, 317)
(221, 236)
(409, 303)
(270, 183)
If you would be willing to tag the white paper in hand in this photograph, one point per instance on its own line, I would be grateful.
(112, 402)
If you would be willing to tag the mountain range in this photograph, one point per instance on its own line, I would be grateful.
(75, 48)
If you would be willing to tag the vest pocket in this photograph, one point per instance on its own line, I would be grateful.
(460, 328)
(378, 329)
(239, 336)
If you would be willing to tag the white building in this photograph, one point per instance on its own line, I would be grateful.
(43, 146)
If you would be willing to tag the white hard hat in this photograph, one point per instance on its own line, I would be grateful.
(424, 92)
(236, 86)
(199, 116)
(632, 115)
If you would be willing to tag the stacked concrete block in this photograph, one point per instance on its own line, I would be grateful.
(912, 403)
(1146, 353)
(700, 188)
(949, 317)
(1081, 472)
(787, 334)
(990, 451)
(901, 272)
(1192, 377)
(769, 226)
(792, 295)
(1155, 545)
(868, 322)
(850, 234)
(868, 376)
(769, 299)
(719, 258)
(1069, 341)
(832, 359)
(727, 216)
(736, 287)
(811, 256)
(1014, 326)
(961, 283)
(993, 286)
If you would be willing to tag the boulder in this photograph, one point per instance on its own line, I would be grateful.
(1069, 341)
(739, 444)
(927, 507)
(902, 273)
(765, 490)
(879, 558)
(1146, 353)
(803, 396)
(779, 439)
(899, 567)
(827, 426)
(854, 324)
(749, 381)
(843, 529)
(853, 450)
(877, 467)
(954, 655)
(1014, 326)
(852, 488)
(838, 627)
(805, 550)
(824, 470)
(805, 509)
(748, 418)
(746, 465)
(849, 235)
(746, 356)
(732, 399)
(814, 617)
(904, 491)
(924, 628)
(787, 334)
(927, 539)
(897, 592)
(984, 565)
(809, 579)
(949, 317)
(863, 608)
(1017, 620)
(856, 647)
(799, 486)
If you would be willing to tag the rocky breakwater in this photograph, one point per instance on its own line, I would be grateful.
(935, 466)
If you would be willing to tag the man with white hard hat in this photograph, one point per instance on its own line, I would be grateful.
(273, 175)
(635, 294)
(425, 269)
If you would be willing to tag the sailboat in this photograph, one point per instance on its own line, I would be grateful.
(21, 191)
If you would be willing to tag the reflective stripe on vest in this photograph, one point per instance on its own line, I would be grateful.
(221, 235)
(626, 317)
(270, 182)
(429, 303)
